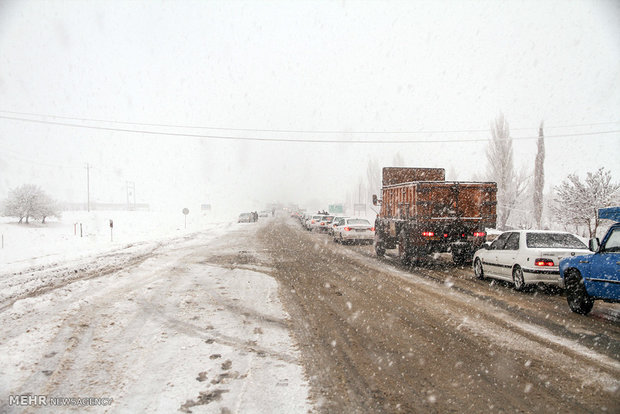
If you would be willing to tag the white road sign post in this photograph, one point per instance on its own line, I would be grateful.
(185, 212)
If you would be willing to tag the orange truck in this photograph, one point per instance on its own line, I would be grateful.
(421, 214)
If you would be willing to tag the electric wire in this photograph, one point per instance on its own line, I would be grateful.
(293, 140)
(301, 131)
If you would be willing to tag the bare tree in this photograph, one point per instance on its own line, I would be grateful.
(398, 160)
(577, 202)
(510, 185)
(539, 178)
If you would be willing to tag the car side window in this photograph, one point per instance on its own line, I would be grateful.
(613, 242)
(499, 243)
(513, 242)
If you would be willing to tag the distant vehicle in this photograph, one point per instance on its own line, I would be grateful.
(354, 230)
(313, 221)
(336, 222)
(324, 224)
(245, 218)
(527, 256)
(264, 214)
(421, 213)
(596, 275)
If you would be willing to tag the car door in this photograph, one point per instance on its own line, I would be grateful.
(489, 259)
(336, 229)
(604, 276)
(507, 256)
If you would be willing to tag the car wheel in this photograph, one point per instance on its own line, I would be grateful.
(517, 278)
(478, 269)
(578, 299)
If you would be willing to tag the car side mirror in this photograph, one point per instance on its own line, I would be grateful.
(486, 246)
(594, 244)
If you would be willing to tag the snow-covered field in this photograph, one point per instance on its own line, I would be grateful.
(146, 319)
(79, 234)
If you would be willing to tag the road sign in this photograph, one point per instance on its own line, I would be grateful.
(186, 212)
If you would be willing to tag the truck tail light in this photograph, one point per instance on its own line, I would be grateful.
(479, 234)
(372, 229)
(428, 234)
(347, 228)
(544, 262)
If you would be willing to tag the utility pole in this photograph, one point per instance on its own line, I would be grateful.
(87, 187)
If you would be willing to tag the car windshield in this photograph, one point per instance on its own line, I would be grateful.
(553, 240)
(358, 221)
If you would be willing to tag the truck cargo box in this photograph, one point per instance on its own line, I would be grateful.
(441, 201)
(398, 175)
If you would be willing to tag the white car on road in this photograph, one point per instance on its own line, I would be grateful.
(354, 229)
(527, 256)
(338, 220)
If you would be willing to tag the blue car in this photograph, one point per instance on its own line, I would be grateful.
(595, 276)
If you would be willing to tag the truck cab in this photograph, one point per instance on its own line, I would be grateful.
(595, 276)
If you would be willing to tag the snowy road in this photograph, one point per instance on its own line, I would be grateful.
(377, 337)
(266, 317)
(155, 327)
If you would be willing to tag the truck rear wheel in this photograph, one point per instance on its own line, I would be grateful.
(459, 258)
(578, 299)
(403, 250)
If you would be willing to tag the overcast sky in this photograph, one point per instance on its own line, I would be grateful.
(315, 70)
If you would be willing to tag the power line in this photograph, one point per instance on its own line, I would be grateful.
(299, 131)
(318, 141)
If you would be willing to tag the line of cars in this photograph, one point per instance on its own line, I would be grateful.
(342, 229)
(587, 273)
(522, 257)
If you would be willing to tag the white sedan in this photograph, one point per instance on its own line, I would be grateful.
(527, 256)
(354, 229)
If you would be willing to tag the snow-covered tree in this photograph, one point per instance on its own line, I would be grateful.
(510, 185)
(539, 178)
(47, 207)
(29, 201)
(577, 202)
